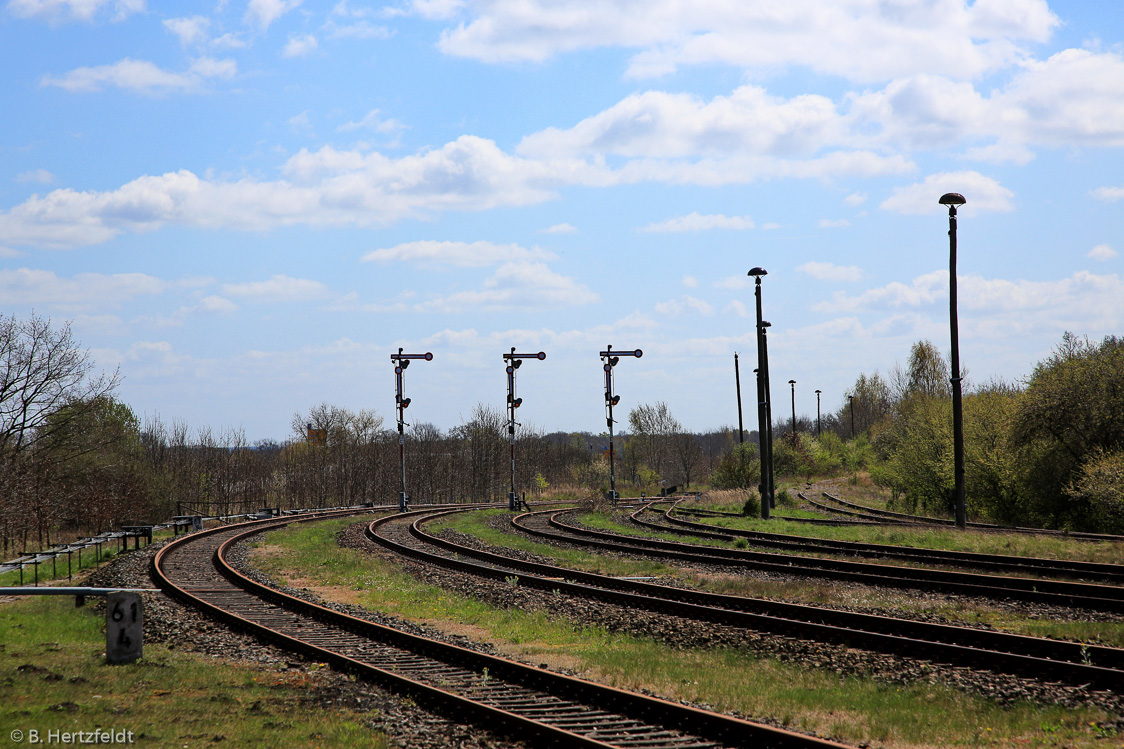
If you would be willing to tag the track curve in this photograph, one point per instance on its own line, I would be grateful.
(1038, 658)
(517, 699)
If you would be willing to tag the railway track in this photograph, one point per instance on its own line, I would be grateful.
(1089, 596)
(518, 700)
(1069, 662)
(1108, 573)
(874, 514)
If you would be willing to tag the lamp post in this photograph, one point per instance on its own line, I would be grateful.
(818, 413)
(792, 384)
(763, 431)
(851, 400)
(952, 200)
(514, 361)
(772, 490)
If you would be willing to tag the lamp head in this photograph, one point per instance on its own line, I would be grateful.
(758, 271)
(792, 382)
(952, 198)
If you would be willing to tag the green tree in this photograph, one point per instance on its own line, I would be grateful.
(1072, 412)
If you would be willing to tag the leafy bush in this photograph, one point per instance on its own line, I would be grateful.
(738, 468)
(1098, 492)
(752, 506)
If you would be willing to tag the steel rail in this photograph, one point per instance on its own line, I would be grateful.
(1054, 592)
(1033, 657)
(543, 705)
(1103, 571)
(1081, 535)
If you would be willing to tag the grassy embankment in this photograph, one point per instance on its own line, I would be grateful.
(850, 709)
(53, 677)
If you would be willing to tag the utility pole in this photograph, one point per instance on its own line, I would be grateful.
(738, 385)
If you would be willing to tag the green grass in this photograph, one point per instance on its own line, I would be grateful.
(1014, 544)
(850, 709)
(53, 677)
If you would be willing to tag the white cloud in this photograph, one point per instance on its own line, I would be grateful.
(371, 121)
(700, 222)
(933, 111)
(676, 307)
(279, 288)
(8, 252)
(217, 304)
(981, 193)
(28, 286)
(854, 39)
(771, 226)
(994, 308)
(826, 223)
(36, 175)
(142, 76)
(662, 125)
(690, 282)
(855, 198)
(559, 229)
(300, 45)
(831, 272)
(67, 10)
(516, 285)
(326, 188)
(265, 12)
(1108, 194)
(1102, 252)
(460, 254)
(434, 10)
(190, 31)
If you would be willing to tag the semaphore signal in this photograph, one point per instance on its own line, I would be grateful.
(514, 361)
(611, 359)
(401, 362)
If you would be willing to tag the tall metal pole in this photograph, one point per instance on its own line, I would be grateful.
(611, 358)
(762, 401)
(401, 361)
(765, 325)
(851, 398)
(738, 386)
(952, 200)
(514, 361)
(818, 430)
(792, 383)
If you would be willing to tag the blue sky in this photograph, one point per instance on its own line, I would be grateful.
(248, 206)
